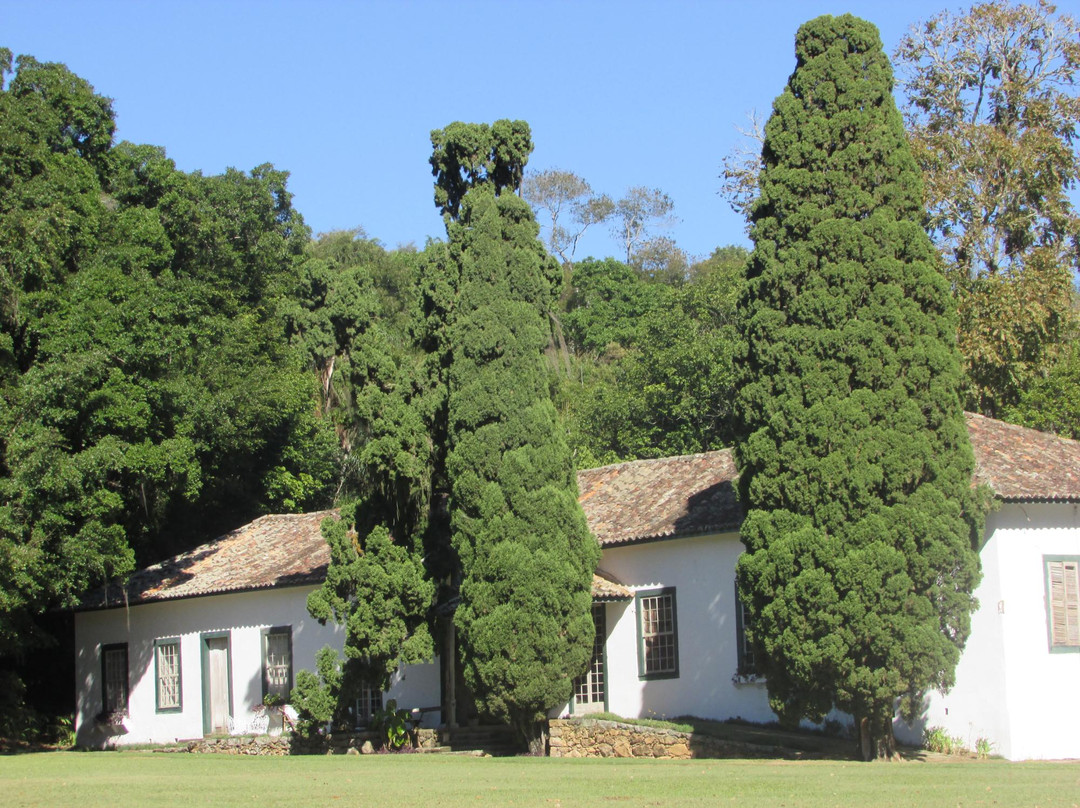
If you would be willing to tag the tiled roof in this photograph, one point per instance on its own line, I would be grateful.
(649, 499)
(1024, 465)
(606, 588)
(624, 503)
(276, 550)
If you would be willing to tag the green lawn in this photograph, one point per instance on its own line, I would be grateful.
(120, 779)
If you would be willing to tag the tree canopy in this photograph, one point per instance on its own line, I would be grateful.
(465, 155)
(855, 467)
(992, 117)
(526, 555)
(146, 398)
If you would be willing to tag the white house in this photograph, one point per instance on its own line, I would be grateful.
(1017, 680)
(203, 636)
(197, 641)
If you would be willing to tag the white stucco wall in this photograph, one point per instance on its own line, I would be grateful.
(243, 616)
(1010, 688)
(702, 570)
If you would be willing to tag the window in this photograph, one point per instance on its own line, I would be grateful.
(1063, 602)
(747, 664)
(658, 642)
(589, 689)
(368, 703)
(277, 662)
(167, 674)
(114, 678)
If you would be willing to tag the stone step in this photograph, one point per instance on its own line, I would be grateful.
(494, 740)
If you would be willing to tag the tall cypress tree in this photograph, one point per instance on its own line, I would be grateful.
(525, 551)
(855, 466)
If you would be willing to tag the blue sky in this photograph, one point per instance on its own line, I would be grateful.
(344, 95)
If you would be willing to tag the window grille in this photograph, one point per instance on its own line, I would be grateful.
(368, 703)
(167, 661)
(114, 669)
(747, 663)
(277, 665)
(659, 652)
(589, 689)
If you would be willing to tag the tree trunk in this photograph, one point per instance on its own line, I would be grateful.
(534, 735)
(876, 738)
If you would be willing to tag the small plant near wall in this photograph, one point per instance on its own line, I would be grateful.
(62, 731)
(393, 724)
(275, 704)
(984, 748)
(111, 718)
(937, 739)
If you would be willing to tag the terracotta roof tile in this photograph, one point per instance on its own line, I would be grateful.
(623, 503)
(672, 496)
(606, 588)
(1022, 464)
(275, 550)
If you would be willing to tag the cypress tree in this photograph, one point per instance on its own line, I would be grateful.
(855, 466)
(525, 551)
(377, 583)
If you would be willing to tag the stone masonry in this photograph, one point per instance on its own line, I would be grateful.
(590, 737)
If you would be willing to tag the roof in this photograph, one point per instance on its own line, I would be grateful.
(654, 499)
(276, 550)
(624, 503)
(1024, 465)
(606, 588)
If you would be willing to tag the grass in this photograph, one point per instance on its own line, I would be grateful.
(138, 779)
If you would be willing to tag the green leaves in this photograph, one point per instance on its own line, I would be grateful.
(992, 118)
(526, 555)
(466, 155)
(146, 398)
(853, 465)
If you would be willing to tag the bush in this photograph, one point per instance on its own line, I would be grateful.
(937, 739)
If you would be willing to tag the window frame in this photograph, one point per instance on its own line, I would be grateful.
(643, 672)
(599, 643)
(264, 641)
(746, 660)
(366, 693)
(158, 644)
(106, 649)
(1048, 560)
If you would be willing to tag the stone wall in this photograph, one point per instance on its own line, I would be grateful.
(341, 743)
(590, 737)
(242, 745)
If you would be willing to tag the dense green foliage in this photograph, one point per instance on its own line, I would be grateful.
(526, 554)
(992, 117)
(317, 695)
(378, 589)
(465, 155)
(652, 373)
(855, 467)
(177, 355)
(354, 319)
(146, 397)
(1052, 403)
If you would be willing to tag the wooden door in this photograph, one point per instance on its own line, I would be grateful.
(216, 685)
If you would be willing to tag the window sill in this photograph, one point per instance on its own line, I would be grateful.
(647, 677)
(748, 679)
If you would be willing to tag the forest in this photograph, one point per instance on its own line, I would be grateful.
(179, 353)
